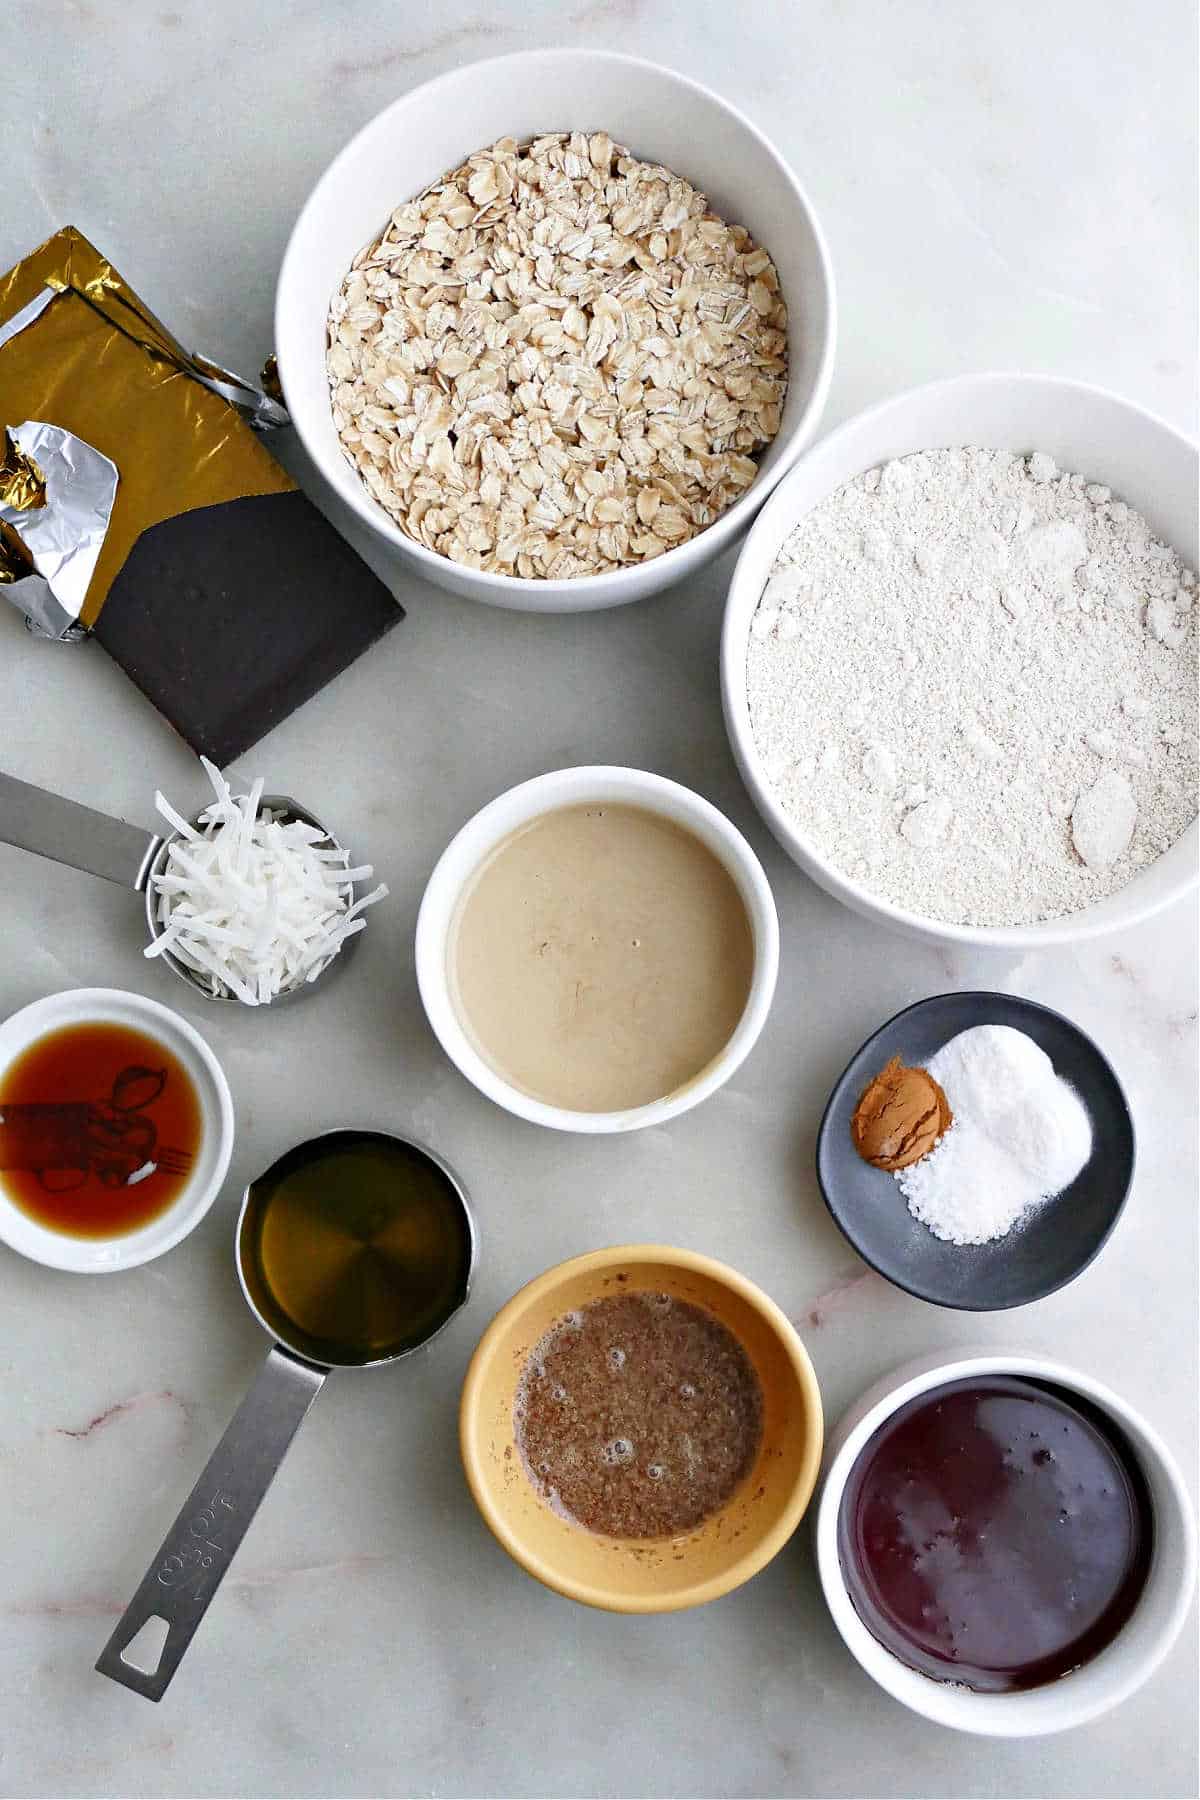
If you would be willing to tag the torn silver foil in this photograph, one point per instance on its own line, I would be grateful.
(62, 538)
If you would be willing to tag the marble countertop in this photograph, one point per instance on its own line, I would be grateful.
(1003, 186)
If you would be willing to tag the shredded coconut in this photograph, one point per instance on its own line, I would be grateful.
(1020, 1136)
(254, 902)
(972, 683)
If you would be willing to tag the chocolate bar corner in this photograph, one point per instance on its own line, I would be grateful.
(148, 512)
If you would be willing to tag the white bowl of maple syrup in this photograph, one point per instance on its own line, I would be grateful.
(116, 1130)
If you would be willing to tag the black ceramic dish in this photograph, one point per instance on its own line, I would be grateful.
(1057, 1242)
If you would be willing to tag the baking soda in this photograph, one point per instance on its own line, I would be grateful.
(1020, 1136)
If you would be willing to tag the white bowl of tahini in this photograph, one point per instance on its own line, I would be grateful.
(1087, 431)
(660, 117)
(596, 971)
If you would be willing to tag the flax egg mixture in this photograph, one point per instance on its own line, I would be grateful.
(601, 957)
(638, 1415)
(100, 1125)
(996, 1533)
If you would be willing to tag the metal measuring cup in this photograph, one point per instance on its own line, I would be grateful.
(198, 1549)
(34, 819)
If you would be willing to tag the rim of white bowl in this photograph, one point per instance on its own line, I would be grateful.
(586, 589)
(774, 521)
(496, 821)
(110, 1255)
(1034, 1712)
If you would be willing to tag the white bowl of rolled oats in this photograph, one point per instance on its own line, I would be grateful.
(554, 325)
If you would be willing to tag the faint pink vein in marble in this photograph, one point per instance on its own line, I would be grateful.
(82, 1606)
(607, 12)
(97, 1770)
(91, 1606)
(1178, 1024)
(342, 1565)
(445, 40)
(121, 1409)
(833, 1299)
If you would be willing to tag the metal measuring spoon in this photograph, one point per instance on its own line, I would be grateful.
(34, 819)
(199, 1547)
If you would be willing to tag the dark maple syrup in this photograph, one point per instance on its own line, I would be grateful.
(100, 1126)
(996, 1532)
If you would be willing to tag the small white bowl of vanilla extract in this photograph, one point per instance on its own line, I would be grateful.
(116, 1130)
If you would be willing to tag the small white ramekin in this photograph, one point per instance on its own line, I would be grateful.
(1089, 432)
(583, 787)
(104, 1256)
(1122, 1666)
(662, 117)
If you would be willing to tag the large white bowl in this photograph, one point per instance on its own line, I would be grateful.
(1086, 430)
(1086, 1692)
(585, 787)
(660, 116)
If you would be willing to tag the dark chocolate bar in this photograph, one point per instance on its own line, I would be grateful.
(229, 617)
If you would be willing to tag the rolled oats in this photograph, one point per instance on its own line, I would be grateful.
(557, 361)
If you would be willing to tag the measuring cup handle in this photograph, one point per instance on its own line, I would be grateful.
(34, 819)
(199, 1547)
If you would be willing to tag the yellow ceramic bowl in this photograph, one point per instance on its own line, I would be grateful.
(643, 1575)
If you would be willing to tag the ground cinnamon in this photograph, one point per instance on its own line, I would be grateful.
(901, 1115)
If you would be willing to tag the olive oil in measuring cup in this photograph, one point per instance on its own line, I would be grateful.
(354, 1248)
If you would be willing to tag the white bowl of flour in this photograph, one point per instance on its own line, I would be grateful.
(959, 662)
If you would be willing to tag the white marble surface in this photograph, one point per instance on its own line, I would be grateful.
(1003, 185)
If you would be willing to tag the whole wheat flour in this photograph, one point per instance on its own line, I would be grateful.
(972, 681)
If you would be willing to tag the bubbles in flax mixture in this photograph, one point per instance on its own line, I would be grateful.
(638, 1416)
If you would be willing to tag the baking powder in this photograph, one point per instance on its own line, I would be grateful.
(1020, 1135)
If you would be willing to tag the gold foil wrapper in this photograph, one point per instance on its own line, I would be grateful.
(80, 350)
(22, 484)
(271, 385)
